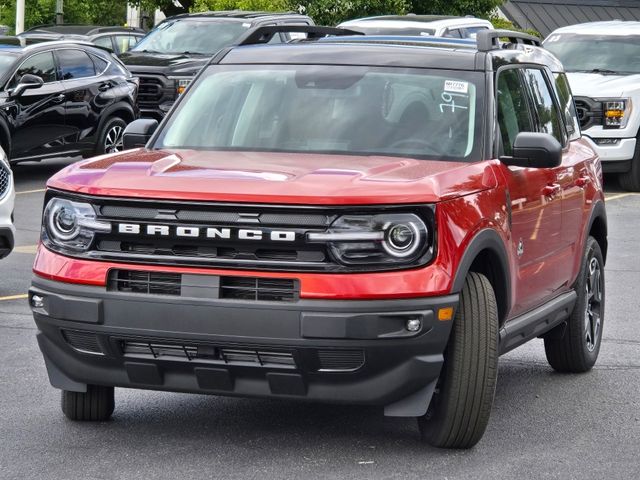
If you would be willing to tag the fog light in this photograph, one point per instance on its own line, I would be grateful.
(413, 325)
(37, 301)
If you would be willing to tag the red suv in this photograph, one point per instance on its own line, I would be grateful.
(343, 219)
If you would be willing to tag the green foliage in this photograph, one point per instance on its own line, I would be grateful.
(255, 5)
(38, 12)
(503, 24)
(332, 12)
(477, 8)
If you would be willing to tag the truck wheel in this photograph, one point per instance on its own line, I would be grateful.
(576, 350)
(631, 180)
(94, 406)
(459, 411)
(110, 137)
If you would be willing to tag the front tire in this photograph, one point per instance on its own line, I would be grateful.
(95, 405)
(110, 136)
(630, 180)
(576, 351)
(459, 411)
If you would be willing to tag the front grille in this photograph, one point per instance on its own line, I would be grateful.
(232, 356)
(150, 90)
(82, 341)
(258, 289)
(589, 112)
(207, 286)
(5, 180)
(155, 283)
(340, 360)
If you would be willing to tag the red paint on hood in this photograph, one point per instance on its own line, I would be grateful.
(259, 177)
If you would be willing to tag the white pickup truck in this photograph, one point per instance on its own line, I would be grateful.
(602, 61)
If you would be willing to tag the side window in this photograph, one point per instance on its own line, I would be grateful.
(567, 106)
(513, 109)
(104, 42)
(453, 33)
(545, 111)
(40, 64)
(472, 32)
(124, 42)
(75, 64)
(100, 64)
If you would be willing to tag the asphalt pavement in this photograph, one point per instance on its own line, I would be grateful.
(543, 424)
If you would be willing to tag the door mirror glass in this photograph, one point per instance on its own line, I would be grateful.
(27, 82)
(535, 150)
(138, 133)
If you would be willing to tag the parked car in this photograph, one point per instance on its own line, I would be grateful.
(117, 39)
(358, 220)
(7, 197)
(172, 53)
(420, 25)
(62, 99)
(602, 60)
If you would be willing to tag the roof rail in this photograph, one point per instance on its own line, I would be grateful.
(264, 34)
(490, 39)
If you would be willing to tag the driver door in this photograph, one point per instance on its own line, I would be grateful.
(38, 114)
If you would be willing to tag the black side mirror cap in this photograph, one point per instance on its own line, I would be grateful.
(27, 82)
(138, 133)
(535, 150)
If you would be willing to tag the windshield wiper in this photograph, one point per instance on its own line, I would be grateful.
(603, 71)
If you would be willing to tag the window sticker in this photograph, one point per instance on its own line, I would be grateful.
(456, 86)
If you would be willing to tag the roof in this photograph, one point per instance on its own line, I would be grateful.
(414, 21)
(612, 27)
(546, 16)
(236, 14)
(77, 29)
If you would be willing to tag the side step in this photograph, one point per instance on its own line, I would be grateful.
(537, 322)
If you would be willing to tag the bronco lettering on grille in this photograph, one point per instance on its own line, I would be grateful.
(222, 233)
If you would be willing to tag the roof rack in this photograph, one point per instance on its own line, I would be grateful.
(490, 39)
(264, 34)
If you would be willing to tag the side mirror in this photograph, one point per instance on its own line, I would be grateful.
(138, 133)
(27, 82)
(535, 150)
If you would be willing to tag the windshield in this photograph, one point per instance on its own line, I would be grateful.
(596, 53)
(203, 37)
(331, 109)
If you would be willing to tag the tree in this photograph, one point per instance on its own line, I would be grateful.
(477, 8)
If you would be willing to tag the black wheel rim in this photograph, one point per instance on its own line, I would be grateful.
(113, 139)
(593, 307)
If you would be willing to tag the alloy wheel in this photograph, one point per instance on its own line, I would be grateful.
(113, 139)
(593, 307)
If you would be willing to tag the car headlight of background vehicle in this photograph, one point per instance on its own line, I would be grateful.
(615, 112)
(4, 160)
(182, 83)
(382, 239)
(70, 226)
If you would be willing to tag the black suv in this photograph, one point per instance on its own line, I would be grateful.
(166, 60)
(117, 39)
(62, 99)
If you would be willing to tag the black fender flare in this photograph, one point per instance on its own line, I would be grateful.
(486, 239)
(598, 212)
(108, 113)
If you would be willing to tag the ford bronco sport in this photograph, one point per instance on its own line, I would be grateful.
(343, 219)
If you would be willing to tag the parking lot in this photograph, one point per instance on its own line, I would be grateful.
(543, 425)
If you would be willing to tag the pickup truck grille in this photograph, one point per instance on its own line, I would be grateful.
(153, 91)
(589, 112)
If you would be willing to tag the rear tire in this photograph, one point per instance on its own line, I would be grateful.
(576, 350)
(459, 411)
(110, 136)
(95, 405)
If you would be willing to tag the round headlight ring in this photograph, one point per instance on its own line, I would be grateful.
(401, 240)
(63, 221)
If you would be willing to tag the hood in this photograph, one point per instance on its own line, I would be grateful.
(180, 64)
(596, 85)
(273, 178)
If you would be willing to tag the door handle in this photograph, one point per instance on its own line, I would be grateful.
(583, 181)
(551, 190)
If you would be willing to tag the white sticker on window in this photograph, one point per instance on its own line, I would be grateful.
(456, 86)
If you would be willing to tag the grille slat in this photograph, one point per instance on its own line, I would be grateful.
(151, 283)
(82, 341)
(262, 289)
(340, 360)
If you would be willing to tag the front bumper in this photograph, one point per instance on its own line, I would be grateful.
(345, 351)
(7, 230)
(615, 158)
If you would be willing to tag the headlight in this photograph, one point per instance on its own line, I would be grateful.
(182, 84)
(384, 239)
(4, 159)
(616, 112)
(70, 225)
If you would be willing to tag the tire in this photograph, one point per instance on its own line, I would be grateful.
(576, 350)
(631, 180)
(110, 136)
(459, 411)
(96, 405)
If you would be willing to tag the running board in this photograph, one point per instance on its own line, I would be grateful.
(537, 322)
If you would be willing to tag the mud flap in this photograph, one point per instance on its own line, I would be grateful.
(415, 405)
